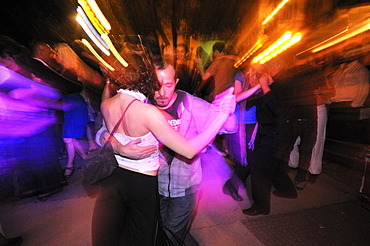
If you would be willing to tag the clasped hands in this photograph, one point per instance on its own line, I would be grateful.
(225, 102)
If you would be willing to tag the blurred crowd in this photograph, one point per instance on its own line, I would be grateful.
(282, 123)
(50, 113)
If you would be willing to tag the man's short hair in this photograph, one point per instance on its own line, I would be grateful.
(219, 46)
(164, 66)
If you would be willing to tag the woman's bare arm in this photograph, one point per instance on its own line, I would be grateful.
(157, 124)
(150, 118)
(247, 93)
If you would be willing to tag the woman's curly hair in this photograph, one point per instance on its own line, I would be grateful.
(140, 73)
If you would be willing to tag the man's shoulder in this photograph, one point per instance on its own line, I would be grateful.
(222, 63)
(192, 99)
(194, 105)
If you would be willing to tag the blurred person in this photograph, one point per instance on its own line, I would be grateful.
(91, 120)
(126, 208)
(169, 54)
(220, 74)
(202, 59)
(240, 144)
(201, 63)
(184, 73)
(217, 78)
(297, 89)
(44, 66)
(15, 56)
(72, 63)
(27, 110)
(44, 53)
(75, 126)
(75, 110)
(350, 79)
(265, 169)
(323, 93)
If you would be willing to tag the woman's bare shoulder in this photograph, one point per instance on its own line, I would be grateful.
(147, 112)
(119, 103)
(108, 104)
(148, 109)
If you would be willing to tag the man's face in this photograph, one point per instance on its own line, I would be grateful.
(166, 95)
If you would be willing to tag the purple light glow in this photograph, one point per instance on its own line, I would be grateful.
(27, 134)
(24, 106)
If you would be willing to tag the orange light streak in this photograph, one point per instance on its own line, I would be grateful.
(273, 13)
(284, 42)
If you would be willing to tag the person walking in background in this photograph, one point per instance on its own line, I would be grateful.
(220, 74)
(218, 77)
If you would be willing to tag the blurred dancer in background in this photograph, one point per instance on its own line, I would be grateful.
(28, 114)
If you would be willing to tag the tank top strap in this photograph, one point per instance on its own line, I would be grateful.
(124, 112)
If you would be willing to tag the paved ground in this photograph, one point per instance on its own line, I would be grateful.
(65, 218)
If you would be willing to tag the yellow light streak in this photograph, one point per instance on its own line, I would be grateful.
(350, 34)
(99, 14)
(90, 14)
(80, 20)
(284, 42)
(248, 54)
(284, 38)
(334, 36)
(113, 50)
(273, 13)
(92, 50)
(91, 27)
